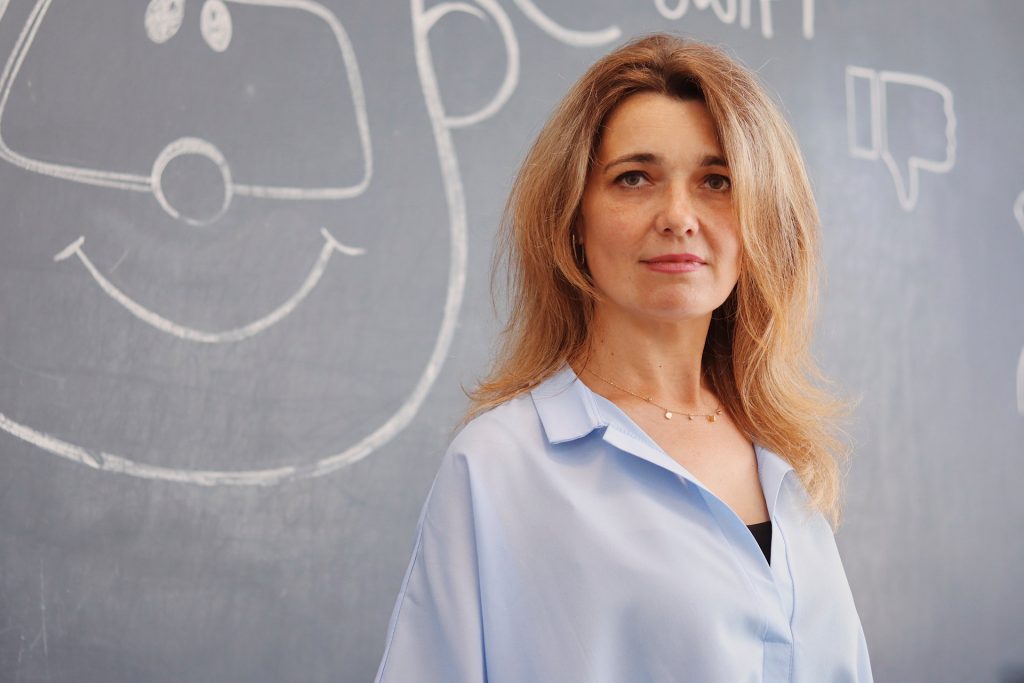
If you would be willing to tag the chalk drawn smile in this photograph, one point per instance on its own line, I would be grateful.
(331, 245)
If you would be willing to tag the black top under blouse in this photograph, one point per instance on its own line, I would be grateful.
(762, 532)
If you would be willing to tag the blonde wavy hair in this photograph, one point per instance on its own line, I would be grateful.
(757, 355)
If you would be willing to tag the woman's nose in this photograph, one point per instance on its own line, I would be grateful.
(678, 213)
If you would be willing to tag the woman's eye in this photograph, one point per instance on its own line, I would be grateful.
(631, 179)
(718, 182)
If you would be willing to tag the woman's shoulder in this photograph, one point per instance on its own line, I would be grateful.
(512, 425)
(522, 434)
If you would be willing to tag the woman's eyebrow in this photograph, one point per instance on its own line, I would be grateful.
(713, 160)
(651, 158)
(633, 158)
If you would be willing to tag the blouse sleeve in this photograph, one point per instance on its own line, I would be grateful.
(435, 633)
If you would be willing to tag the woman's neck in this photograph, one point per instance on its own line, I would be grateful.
(661, 360)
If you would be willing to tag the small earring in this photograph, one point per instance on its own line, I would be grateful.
(578, 252)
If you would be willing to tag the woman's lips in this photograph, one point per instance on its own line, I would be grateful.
(675, 263)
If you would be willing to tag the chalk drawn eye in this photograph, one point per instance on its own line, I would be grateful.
(215, 25)
(163, 19)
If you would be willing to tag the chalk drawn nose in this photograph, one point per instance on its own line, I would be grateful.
(215, 25)
(183, 147)
(163, 19)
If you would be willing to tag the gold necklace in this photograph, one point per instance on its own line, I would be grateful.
(711, 417)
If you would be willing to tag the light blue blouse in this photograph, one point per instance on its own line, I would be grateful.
(560, 544)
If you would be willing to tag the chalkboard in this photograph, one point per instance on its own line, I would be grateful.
(245, 273)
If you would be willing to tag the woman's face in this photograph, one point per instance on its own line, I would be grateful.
(660, 229)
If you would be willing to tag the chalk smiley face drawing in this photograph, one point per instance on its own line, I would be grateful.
(221, 24)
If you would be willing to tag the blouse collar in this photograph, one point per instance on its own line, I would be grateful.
(569, 411)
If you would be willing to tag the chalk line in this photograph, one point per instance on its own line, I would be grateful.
(191, 334)
(1018, 210)
(808, 19)
(101, 460)
(728, 10)
(358, 97)
(508, 37)
(907, 191)
(908, 195)
(1020, 383)
(456, 204)
(163, 19)
(726, 13)
(766, 17)
(215, 25)
(159, 27)
(565, 35)
(855, 149)
(185, 147)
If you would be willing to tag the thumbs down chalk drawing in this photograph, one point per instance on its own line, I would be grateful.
(906, 173)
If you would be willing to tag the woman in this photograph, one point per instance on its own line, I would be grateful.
(642, 491)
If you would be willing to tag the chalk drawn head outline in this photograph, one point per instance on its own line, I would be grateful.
(454, 202)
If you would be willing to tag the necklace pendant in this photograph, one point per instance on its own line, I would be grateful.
(668, 414)
(690, 418)
(711, 418)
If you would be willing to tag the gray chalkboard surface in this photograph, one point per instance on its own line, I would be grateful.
(244, 270)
